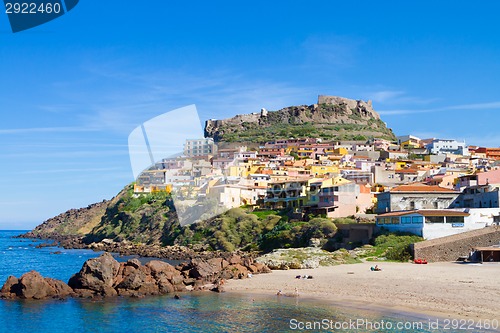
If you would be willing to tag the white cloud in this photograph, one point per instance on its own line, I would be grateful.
(385, 95)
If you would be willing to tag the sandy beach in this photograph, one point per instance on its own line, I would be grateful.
(449, 290)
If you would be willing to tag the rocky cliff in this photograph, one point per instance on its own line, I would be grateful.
(74, 222)
(332, 118)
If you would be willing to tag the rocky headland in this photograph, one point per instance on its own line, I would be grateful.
(106, 277)
(332, 118)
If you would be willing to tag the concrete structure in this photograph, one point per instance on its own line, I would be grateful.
(487, 254)
(435, 223)
(493, 153)
(481, 196)
(393, 155)
(453, 247)
(408, 138)
(381, 144)
(199, 147)
(342, 198)
(415, 196)
(479, 178)
(442, 147)
(358, 176)
(354, 235)
(237, 195)
(289, 193)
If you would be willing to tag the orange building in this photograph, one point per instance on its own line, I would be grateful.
(493, 153)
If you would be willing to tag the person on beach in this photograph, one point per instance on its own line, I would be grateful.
(279, 293)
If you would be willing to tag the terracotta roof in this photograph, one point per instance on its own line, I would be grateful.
(422, 188)
(426, 212)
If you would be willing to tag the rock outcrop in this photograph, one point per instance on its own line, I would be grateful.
(304, 258)
(33, 286)
(335, 118)
(106, 277)
(74, 222)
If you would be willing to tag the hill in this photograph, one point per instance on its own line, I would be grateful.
(74, 222)
(150, 219)
(332, 118)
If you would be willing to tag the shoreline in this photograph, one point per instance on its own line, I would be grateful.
(445, 290)
(126, 248)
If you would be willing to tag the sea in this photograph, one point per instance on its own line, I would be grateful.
(193, 312)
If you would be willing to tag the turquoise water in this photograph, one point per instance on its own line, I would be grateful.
(194, 312)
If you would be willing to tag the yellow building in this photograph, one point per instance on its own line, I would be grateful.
(341, 151)
(321, 170)
(410, 144)
(400, 165)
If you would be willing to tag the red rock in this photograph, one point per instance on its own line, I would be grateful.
(97, 274)
(33, 286)
(10, 288)
(234, 259)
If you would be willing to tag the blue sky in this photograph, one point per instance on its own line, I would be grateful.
(73, 89)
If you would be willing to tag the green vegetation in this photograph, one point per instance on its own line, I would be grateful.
(146, 218)
(392, 246)
(301, 122)
(260, 230)
(151, 219)
(344, 220)
(309, 257)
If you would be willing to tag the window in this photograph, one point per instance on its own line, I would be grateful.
(412, 205)
(406, 220)
(435, 203)
(455, 219)
(434, 219)
(384, 220)
(417, 219)
(395, 220)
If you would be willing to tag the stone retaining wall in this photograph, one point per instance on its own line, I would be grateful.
(452, 247)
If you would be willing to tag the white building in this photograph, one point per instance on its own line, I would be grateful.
(199, 147)
(435, 223)
(443, 147)
(408, 138)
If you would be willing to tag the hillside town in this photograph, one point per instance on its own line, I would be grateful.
(429, 187)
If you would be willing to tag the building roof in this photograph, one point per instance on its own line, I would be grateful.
(494, 248)
(427, 212)
(413, 171)
(421, 188)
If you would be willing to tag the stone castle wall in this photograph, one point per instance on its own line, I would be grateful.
(450, 248)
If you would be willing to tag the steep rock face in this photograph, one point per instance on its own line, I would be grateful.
(335, 118)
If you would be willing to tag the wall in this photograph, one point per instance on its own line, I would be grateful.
(355, 233)
(402, 201)
(452, 247)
